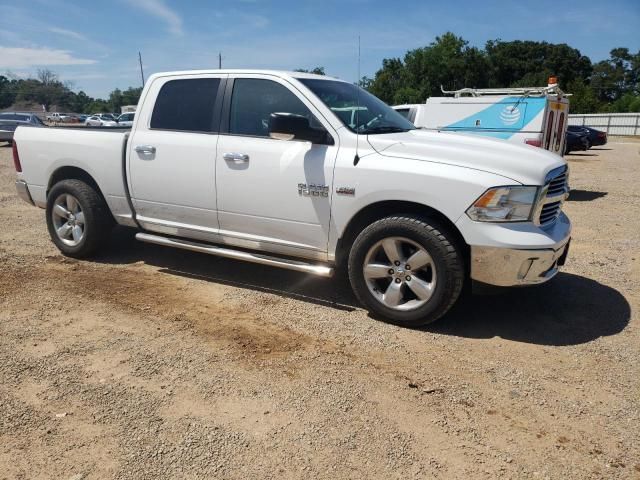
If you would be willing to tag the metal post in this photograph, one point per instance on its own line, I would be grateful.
(141, 70)
(635, 129)
(608, 123)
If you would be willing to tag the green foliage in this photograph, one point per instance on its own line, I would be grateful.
(316, 70)
(7, 92)
(583, 100)
(513, 63)
(49, 91)
(610, 85)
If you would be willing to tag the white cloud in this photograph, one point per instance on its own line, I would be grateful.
(160, 10)
(67, 33)
(17, 57)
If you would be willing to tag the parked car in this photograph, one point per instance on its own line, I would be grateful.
(576, 141)
(9, 121)
(595, 138)
(100, 121)
(58, 117)
(275, 174)
(126, 119)
(106, 116)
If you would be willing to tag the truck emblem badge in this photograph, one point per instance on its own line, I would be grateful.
(312, 190)
(346, 191)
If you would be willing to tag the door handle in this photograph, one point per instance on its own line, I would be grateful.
(236, 157)
(146, 149)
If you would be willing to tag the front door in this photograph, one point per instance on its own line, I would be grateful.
(172, 154)
(272, 194)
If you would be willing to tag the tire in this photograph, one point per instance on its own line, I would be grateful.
(444, 272)
(96, 222)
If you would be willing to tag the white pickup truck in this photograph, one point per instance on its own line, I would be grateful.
(275, 168)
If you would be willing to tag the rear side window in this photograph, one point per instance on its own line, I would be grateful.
(403, 111)
(254, 101)
(186, 105)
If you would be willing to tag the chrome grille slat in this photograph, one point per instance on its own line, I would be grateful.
(556, 186)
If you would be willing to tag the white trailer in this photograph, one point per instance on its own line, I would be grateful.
(535, 115)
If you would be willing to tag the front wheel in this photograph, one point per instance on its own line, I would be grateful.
(78, 219)
(406, 270)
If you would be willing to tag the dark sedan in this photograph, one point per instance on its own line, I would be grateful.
(9, 121)
(595, 137)
(575, 141)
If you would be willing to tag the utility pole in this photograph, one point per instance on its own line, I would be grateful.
(220, 60)
(141, 70)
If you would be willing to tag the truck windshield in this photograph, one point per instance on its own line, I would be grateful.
(360, 111)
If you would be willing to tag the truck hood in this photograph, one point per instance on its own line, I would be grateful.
(523, 163)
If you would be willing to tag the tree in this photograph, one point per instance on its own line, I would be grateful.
(449, 61)
(388, 80)
(115, 100)
(512, 63)
(316, 70)
(7, 92)
(583, 99)
(619, 75)
(131, 96)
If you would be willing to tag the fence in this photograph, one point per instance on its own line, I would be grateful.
(612, 123)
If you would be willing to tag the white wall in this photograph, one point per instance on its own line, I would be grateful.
(612, 123)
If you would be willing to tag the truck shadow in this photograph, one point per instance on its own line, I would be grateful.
(585, 195)
(569, 310)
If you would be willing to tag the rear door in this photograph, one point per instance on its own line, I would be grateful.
(556, 125)
(172, 153)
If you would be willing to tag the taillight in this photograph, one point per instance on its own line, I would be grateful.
(16, 157)
(534, 142)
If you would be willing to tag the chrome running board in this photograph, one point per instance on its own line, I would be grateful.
(298, 266)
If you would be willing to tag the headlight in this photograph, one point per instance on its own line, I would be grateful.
(504, 204)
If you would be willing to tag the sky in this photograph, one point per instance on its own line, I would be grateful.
(95, 45)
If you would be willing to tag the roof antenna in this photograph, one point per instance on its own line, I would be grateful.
(356, 159)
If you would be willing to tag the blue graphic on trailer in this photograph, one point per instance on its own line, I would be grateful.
(503, 119)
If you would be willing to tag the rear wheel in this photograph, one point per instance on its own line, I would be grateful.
(78, 219)
(406, 270)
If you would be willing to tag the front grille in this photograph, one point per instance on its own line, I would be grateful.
(557, 187)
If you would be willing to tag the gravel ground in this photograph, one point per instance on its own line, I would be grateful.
(156, 363)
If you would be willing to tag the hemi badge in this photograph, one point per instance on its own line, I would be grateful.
(346, 191)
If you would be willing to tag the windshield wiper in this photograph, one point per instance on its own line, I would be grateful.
(384, 129)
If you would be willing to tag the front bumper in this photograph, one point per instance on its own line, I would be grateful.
(510, 255)
(23, 191)
(511, 267)
(6, 136)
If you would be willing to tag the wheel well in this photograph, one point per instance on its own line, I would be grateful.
(377, 211)
(74, 173)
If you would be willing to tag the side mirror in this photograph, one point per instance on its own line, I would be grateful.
(288, 126)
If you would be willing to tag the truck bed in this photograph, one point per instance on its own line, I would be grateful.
(99, 151)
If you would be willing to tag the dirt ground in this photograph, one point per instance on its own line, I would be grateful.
(156, 363)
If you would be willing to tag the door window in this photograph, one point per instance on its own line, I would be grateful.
(253, 102)
(186, 104)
